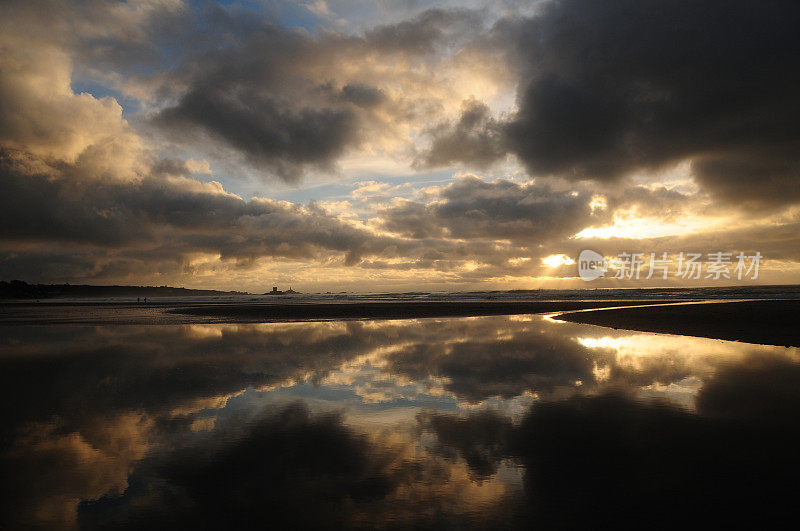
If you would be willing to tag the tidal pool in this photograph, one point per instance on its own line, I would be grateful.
(473, 422)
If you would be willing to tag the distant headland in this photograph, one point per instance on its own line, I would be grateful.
(17, 289)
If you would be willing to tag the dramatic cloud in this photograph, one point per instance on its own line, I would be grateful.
(64, 204)
(124, 407)
(612, 87)
(477, 370)
(287, 100)
(256, 97)
(472, 208)
(143, 141)
(475, 138)
(609, 88)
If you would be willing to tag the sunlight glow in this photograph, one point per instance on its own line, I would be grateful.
(556, 260)
(629, 223)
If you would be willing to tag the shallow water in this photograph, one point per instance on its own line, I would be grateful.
(469, 422)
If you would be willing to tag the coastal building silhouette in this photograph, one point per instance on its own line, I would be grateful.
(276, 291)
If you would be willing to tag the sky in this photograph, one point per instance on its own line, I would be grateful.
(407, 145)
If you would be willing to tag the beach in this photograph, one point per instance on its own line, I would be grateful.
(385, 310)
(767, 322)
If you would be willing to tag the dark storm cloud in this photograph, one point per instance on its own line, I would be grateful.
(249, 91)
(473, 208)
(610, 87)
(263, 92)
(62, 203)
(264, 129)
(57, 262)
(475, 139)
(756, 178)
(625, 84)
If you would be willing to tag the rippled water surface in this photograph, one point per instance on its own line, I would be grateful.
(471, 422)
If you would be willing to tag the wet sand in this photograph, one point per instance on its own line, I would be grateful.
(764, 322)
(255, 312)
(184, 312)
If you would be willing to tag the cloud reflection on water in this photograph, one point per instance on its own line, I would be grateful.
(407, 422)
